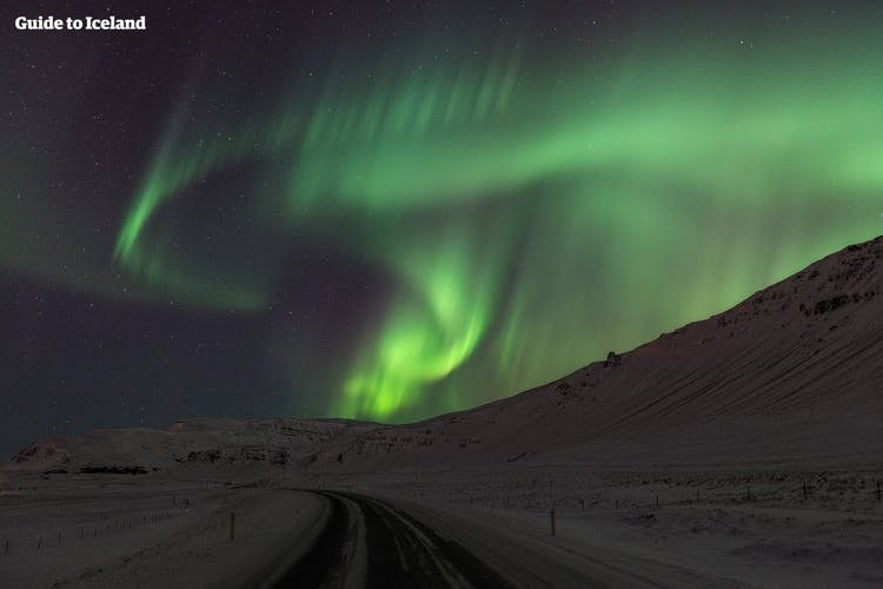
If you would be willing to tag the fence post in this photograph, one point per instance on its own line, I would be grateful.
(805, 494)
(232, 525)
(878, 491)
(552, 521)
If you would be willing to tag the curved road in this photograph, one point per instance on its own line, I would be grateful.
(399, 552)
(369, 542)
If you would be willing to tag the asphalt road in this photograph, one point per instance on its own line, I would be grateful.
(398, 551)
(372, 543)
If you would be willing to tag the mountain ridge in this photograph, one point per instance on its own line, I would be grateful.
(767, 356)
(789, 373)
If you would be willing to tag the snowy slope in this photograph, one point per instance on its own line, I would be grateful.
(791, 374)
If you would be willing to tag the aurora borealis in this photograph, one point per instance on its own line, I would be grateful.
(388, 212)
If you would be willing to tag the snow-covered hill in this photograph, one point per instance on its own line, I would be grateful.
(791, 375)
(794, 373)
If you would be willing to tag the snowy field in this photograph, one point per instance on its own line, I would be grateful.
(752, 527)
(149, 531)
(678, 526)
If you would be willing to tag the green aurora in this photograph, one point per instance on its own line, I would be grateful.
(535, 209)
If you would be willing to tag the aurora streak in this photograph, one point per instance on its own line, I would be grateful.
(532, 209)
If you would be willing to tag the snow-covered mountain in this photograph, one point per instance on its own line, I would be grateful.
(794, 373)
(791, 375)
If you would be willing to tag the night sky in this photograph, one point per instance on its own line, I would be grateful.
(389, 210)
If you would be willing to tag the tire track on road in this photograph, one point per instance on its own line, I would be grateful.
(401, 552)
